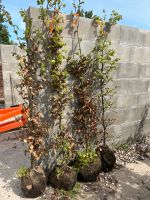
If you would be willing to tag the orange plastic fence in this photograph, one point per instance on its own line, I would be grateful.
(6, 114)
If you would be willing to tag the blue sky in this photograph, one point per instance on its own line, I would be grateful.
(135, 13)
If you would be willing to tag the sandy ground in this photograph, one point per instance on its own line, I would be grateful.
(133, 179)
(12, 157)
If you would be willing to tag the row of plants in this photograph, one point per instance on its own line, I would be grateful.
(62, 152)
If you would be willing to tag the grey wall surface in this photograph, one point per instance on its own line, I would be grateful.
(9, 69)
(132, 46)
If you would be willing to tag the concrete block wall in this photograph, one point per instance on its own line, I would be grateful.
(132, 77)
(1, 86)
(1, 83)
(133, 80)
(10, 78)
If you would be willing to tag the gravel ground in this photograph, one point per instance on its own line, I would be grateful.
(129, 182)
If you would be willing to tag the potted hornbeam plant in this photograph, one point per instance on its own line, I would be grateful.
(103, 64)
(84, 121)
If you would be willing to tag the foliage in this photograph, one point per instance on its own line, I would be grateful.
(4, 18)
(22, 172)
(84, 158)
(42, 69)
(124, 147)
(103, 63)
(66, 146)
(79, 10)
(84, 119)
(71, 194)
(91, 75)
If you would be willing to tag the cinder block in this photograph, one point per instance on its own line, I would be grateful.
(36, 25)
(8, 100)
(124, 131)
(124, 52)
(72, 45)
(87, 46)
(146, 123)
(68, 30)
(128, 70)
(145, 71)
(33, 13)
(114, 34)
(132, 53)
(144, 99)
(134, 114)
(142, 55)
(7, 53)
(131, 36)
(121, 86)
(8, 65)
(138, 86)
(120, 116)
(87, 31)
(7, 88)
(146, 38)
(128, 115)
(126, 101)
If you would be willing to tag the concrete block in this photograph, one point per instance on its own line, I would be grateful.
(7, 53)
(72, 45)
(142, 55)
(68, 30)
(132, 53)
(128, 70)
(134, 114)
(144, 99)
(124, 52)
(87, 31)
(146, 38)
(120, 116)
(145, 71)
(125, 101)
(8, 94)
(8, 65)
(124, 131)
(36, 25)
(138, 86)
(87, 46)
(16, 101)
(114, 35)
(128, 115)
(33, 13)
(121, 86)
(146, 124)
(131, 36)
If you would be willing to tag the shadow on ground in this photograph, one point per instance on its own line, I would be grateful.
(134, 179)
(12, 157)
(133, 183)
